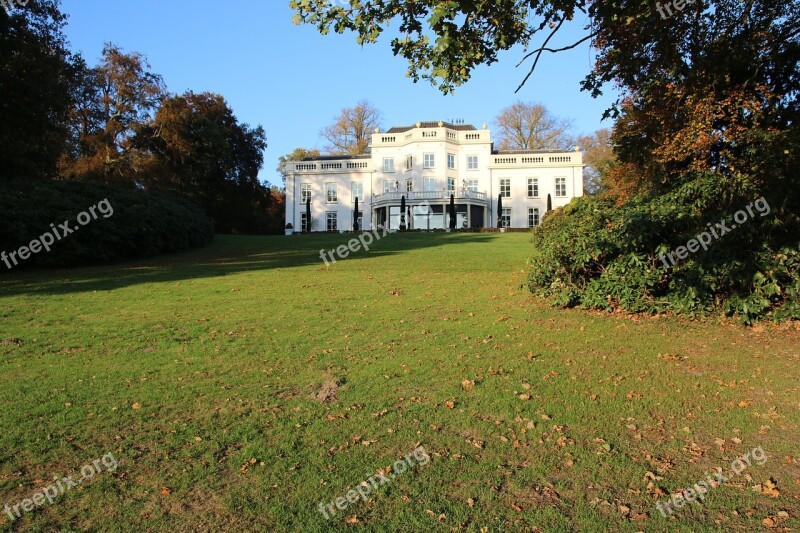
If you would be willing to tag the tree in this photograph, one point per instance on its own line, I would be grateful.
(529, 126)
(599, 158)
(500, 211)
(202, 152)
(298, 154)
(36, 77)
(115, 99)
(403, 213)
(460, 34)
(309, 222)
(352, 129)
(452, 211)
(276, 211)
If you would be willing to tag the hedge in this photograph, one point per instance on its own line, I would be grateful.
(128, 223)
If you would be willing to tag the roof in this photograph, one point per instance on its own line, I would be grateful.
(336, 157)
(523, 152)
(433, 124)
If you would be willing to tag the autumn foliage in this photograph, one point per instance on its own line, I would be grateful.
(116, 124)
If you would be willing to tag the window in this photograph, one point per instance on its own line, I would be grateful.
(451, 161)
(472, 185)
(331, 220)
(358, 191)
(409, 185)
(305, 193)
(409, 162)
(472, 162)
(505, 217)
(429, 160)
(561, 186)
(388, 186)
(331, 192)
(451, 184)
(303, 223)
(533, 217)
(533, 187)
(388, 164)
(429, 184)
(505, 187)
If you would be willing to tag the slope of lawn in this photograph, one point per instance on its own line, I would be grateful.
(202, 373)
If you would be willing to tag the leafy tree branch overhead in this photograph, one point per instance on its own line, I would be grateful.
(444, 42)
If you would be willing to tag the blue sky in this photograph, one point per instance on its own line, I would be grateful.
(293, 81)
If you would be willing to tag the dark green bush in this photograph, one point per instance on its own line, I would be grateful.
(595, 254)
(143, 224)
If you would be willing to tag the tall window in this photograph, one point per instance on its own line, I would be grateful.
(451, 184)
(388, 164)
(331, 218)
(451, 161)
(533, 187)
(505, 187)
(506, 217)
(332, 197)
(429, 184)
(304, 223)
(409, 162)
(429, 160)
(305, 193)
(561, 186)
(472, 162)
(533, 217)
(388, 186)
(409, 185)
(472, 185)
(358, 191)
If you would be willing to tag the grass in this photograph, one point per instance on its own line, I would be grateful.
(198, 373)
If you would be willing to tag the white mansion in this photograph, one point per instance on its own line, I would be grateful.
(425, 164)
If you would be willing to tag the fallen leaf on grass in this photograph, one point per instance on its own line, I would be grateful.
(136, 406)
(770, 489)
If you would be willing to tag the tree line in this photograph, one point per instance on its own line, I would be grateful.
(116, 123)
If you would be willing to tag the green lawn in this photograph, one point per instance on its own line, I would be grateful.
(199, 372)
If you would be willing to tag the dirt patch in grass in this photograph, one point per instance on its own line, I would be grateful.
(327, 392)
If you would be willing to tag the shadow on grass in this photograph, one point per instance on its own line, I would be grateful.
(225, 255)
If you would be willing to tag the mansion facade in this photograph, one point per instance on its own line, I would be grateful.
(423, 165)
